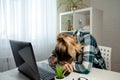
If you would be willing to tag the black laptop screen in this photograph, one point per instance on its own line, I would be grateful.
(25, 59)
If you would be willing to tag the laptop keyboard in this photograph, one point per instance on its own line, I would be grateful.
(46, 72)
(46, 75)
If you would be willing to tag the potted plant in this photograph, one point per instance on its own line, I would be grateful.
(72, 4)
(59, 72)
(69, 4)
(69, 26)
(75, 4)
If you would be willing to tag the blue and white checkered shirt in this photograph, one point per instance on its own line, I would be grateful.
(90, 56)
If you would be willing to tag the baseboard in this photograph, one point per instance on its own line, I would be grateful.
(116, 67)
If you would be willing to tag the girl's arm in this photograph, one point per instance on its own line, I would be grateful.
(88, 56)
(52, 60)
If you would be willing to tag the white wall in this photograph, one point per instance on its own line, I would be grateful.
(111, 27)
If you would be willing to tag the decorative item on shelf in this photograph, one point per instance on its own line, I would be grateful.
(59, 72)
(69, 26)
(86, 28)
(80, 24)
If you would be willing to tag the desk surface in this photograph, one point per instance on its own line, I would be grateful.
(95, 74)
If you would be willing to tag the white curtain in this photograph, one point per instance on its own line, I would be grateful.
(28, 20)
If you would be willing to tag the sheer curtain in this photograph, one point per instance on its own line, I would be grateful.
(28, 20)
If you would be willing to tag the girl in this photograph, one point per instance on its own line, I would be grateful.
(81, 47)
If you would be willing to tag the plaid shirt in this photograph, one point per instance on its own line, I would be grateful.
(90, 56)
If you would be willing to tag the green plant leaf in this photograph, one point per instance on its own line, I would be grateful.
(59, 72)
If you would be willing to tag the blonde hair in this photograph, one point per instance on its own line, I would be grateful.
(66, 45)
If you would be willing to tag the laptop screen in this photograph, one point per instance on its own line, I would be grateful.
(25, 59)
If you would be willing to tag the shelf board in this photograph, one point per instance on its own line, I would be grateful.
(76, 11)
(67, 31)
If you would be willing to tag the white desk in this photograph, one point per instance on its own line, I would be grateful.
(12, 75)
(95, 74)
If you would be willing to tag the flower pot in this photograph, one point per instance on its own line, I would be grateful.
(58, 78)
(73, 8)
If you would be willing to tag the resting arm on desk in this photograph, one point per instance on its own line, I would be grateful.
(91, 56)
(83, 67)
(53, 60)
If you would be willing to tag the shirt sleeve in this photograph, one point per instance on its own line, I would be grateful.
(87, 58)
(52, 59)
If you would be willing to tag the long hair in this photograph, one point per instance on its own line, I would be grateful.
(66, 47)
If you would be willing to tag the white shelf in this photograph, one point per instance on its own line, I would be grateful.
(89, 17)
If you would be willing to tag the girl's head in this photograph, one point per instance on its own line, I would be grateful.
(66, 47)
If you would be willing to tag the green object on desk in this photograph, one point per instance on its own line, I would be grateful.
(59, 72)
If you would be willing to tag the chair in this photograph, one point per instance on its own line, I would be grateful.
(106, 54)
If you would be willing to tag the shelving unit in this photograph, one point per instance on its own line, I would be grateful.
(87, 19)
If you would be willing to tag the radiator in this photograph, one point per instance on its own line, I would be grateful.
(7, 64)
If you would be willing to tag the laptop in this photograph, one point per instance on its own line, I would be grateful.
(25, 61)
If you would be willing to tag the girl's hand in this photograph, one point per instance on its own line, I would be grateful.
(68, 67)
(53, 60)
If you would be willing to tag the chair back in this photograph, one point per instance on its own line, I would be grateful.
(106, 54)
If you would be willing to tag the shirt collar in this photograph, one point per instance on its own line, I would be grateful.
(83, 33)
(80, 35)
